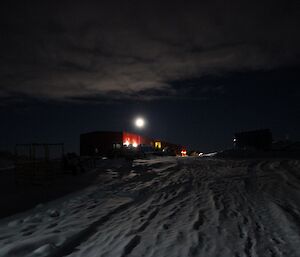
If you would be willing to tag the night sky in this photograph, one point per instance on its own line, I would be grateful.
(198, 71)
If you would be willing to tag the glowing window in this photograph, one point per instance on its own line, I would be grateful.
(157, 145)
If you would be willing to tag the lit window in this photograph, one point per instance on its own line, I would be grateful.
(157, 145)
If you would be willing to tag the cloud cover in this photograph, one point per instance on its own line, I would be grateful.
(75, 50)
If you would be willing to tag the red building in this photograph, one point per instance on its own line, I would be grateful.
(135, 140)
(105, 142)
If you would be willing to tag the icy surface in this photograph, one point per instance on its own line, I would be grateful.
(169, 207)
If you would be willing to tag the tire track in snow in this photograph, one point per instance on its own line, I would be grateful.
(73, 242)
(131, 245)
(196, 208)
(259, 228)
(136, 233)
(265, 224)
(70, 245)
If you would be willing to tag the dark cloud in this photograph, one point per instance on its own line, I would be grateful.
(71, 50)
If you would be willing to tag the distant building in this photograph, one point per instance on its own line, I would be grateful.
(106, 142)
(256, 139)
(167, 147)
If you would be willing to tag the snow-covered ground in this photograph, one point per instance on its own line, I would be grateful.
(169, 207)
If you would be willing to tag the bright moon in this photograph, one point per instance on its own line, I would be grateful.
(140, 122)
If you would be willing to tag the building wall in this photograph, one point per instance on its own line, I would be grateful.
(101, 142)
(105, 142)
(131, 139)
(159, 144)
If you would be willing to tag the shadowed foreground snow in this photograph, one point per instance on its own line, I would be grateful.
(169, 207)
